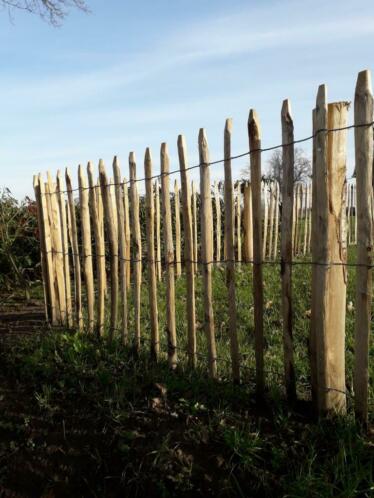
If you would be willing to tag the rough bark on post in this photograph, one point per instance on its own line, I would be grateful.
(137, 245)
(207, 250)
(75, 249)
(127, 233)
(266, 219)
(188, 250)
(46, 266)
(239, 221)
(363, 113)
(113, 247)
(254, 135)
(194, 227)
(100, 251)
(58, 257)
(276, 221)
(329, 245)
(271, 219)
(169, 257)
(65, 247)
(178, 264)
(230, 248)
(217, 203)
(158, 230)
(286, 246)
(150, 238)
(87, 249)
(248, 223)
(122, 247)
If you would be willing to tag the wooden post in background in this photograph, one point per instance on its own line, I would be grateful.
(100, 250)
(248, 223)
(150, 237)
(122, 247)
(266, 218)
(188, 250)
(254, 134)
(276, 221)
(217, 202)
(178, 254)
(137, 245)
(113, 246)
(169, 257)
(329, 245)
(286, 246)
(306, 201)
(363, 113)
(100, 213)
(194, 227)
(75, 250)
(207, 250)
(158, 230)
(271, 219)
(230, 248)
(65, 247)
(87, 249)
(127, 232)
(239, 221)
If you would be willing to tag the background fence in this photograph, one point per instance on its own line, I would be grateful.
(118, 241)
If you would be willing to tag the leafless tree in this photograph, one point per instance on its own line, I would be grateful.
(274, 170)
(51, 11)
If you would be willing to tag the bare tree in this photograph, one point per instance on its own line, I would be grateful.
(274, 170)
(51, 11)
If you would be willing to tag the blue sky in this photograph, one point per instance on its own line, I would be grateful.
(134, 74)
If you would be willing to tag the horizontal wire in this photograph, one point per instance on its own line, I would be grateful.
(221, 262)
(219, 161)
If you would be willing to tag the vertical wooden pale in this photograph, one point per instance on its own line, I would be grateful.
(207, 250)
(169, 257)
(75, 249)
(286, 245)
(87, 249)
(254, 134)
(150, 238)
(100, 251)
(113, 247)
(363, 113)
(65, 247)
(217, 203)
(194, 221)
(188, 249)
(230, 248)
(248, 223)
(158, 230)
(178, 254)
(137, 245)
(122, 247)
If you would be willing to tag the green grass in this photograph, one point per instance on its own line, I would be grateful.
(87, 418)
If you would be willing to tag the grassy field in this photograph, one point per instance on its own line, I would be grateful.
(80, 417)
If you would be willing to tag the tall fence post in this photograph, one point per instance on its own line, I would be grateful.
(194, 225)
(72, 222)
(65, 247)
(248, 223)
(169, 257)
(286, 245)
(363, 113)
(150, 233)
(87, 249)
(188, 249)
(100, 251)
(137, 245)
(230, 258)
(113, 247)
(207, 250)
(178, 256)
(217, 203)
(329, 245)
(158, 230)
(122, 247)
(254, 134)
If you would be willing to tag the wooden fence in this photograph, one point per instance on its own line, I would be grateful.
(112, 236)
